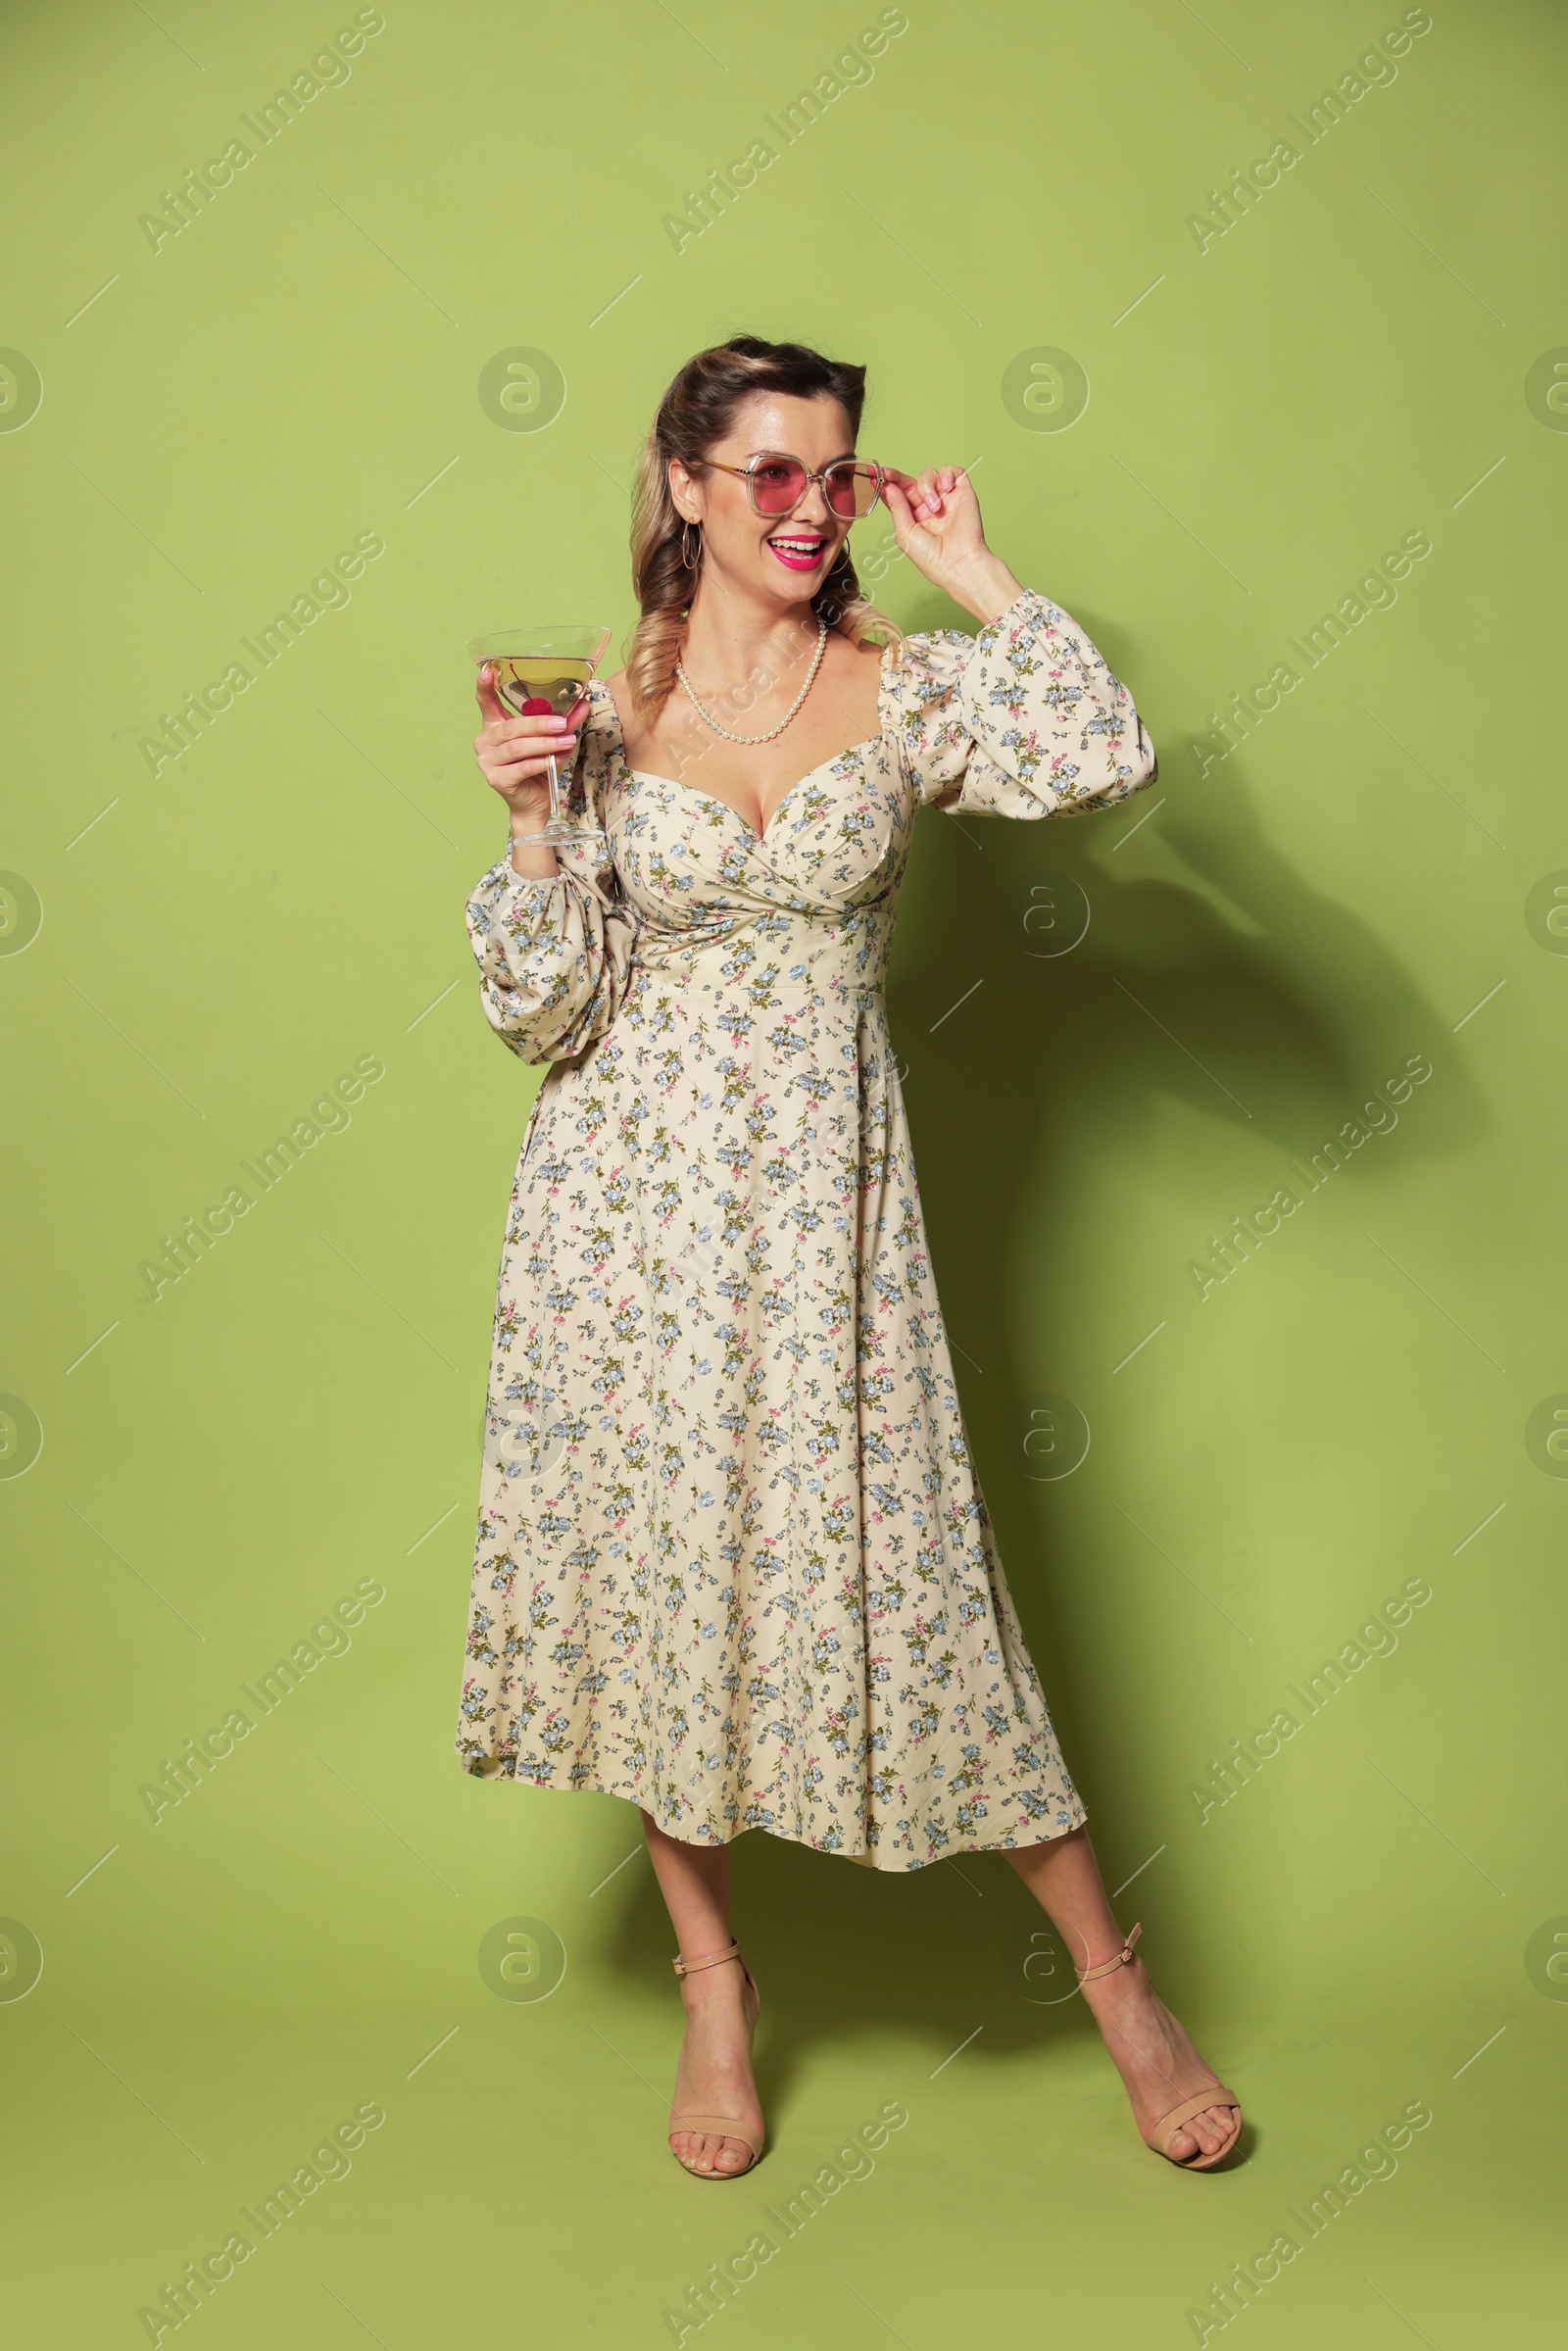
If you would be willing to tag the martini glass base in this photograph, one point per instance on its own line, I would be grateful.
(557, 834)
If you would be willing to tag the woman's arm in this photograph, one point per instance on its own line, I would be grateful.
(936, 523)
(1026, 721)
(554, 957)
(554, 950)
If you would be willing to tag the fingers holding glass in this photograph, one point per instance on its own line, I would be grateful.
(896, 489)
(929, 488)
(542, 678)
(921, 494)
(515, 755)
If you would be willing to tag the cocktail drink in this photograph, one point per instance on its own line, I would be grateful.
(545, 672)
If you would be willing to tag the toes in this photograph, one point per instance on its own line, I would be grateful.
(692, 2148)
(701, 2151)
(1212, 2133)
(1215, 2130)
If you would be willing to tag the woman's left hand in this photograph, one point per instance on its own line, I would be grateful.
(936, 523)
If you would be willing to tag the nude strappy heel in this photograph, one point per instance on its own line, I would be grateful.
(1160, 2134)
(718, 2125)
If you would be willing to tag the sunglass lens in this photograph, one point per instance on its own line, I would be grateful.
(776, 486)
(850, 490)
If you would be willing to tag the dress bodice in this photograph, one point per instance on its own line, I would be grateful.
(690, 863)
(1026, 721)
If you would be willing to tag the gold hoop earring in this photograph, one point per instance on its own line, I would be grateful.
(692, 564)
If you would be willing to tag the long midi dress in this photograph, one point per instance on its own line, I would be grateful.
(733, 1560)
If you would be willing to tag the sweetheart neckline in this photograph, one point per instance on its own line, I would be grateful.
(600, 686)
(645, 775)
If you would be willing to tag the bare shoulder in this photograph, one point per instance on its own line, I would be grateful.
(864, 659)
(855, 673)
(861, 654)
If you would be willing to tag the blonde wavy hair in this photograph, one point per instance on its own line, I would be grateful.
(696, 411)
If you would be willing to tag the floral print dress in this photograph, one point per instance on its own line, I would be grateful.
(733, 1560)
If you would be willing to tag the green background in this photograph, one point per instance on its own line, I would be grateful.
(1268, 943)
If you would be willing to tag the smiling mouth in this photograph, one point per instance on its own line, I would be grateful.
(799, 551)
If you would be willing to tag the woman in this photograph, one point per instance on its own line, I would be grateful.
(733, 1563)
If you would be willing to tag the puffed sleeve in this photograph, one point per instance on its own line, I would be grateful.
(1025, 720)
(554, 954)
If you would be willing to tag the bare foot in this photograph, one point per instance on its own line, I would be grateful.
(1158, 2065)
(713, 2078)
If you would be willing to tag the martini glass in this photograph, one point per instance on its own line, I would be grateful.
(544, 672)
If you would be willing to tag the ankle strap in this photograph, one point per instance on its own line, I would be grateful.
(691, 1966)
(1123, 1958)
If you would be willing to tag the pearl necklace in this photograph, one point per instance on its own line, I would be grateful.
(816, 664)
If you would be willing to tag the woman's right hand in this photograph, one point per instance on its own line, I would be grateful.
(514, 752)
